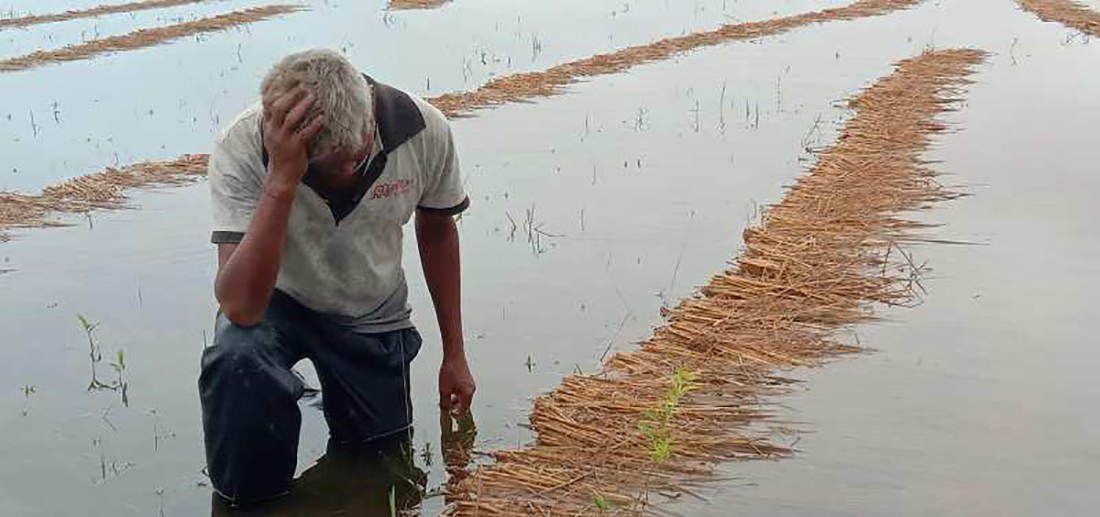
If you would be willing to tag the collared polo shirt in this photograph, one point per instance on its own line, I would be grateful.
(345, 262)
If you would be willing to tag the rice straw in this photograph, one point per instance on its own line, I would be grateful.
(144, 38)
(817, 262)
(102, 10)
(1067, 12)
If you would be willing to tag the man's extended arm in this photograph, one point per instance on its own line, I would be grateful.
(247, 272)
(437, 239)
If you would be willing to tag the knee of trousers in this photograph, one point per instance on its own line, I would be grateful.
(245, 359)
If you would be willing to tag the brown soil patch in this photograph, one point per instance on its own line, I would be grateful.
(144, 38)
(527, 86)
(1066, 12)
(73, 14)
(816, 263)
(105, 190)
(408, 5)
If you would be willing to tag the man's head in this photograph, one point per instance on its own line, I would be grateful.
(340, 92)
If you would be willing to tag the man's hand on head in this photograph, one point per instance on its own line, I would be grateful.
(287, 134)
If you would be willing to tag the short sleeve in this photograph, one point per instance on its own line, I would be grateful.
(235, 191)
(444, 193)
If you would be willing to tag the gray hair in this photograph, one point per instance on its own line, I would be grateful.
(341, 93)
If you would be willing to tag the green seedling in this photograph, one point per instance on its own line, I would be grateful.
(95, 356)
(655, 425)
(661, 449)
(393, 501)
(601, 503)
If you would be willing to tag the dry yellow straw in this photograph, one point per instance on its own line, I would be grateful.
(1066, 12)
(406, 5)
(73, 14)
(144, 38)
(526, 86)
(105, 190)
(816, 262)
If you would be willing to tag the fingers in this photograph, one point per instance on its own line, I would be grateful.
(312, 128)
(454, 402)
(460, 400)
(297, 113)
(269, 103)
(280, 106)
(465, 397)
(445, 401)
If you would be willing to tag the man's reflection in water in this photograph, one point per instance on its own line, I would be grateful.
(356, 480)
(457, 437)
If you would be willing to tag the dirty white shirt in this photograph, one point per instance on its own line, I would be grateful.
(348, 268)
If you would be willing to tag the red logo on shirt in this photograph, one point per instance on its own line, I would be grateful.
(390, 189)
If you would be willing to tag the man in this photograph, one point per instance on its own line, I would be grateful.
(310, 190)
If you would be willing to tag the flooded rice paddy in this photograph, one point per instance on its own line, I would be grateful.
(975, 402)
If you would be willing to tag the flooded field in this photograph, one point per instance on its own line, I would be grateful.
(974, 402)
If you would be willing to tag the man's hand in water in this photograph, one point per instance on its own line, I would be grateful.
(287, 135)
(456, 385)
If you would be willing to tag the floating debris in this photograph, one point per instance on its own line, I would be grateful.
(656, 419)
(144, 38)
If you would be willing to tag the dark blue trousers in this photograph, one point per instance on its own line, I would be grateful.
(250, 395)
(349, 480)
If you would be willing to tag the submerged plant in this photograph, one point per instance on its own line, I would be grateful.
(95, 356)
(119, 366)
(28, 390)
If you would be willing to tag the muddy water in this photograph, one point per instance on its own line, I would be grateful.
(972, 405)
(18, 42)
(975, 403)
(80, 117)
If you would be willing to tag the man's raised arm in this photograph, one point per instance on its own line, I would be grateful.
(247, 271)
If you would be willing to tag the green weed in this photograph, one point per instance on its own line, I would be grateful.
(601, 503)
(95, 356)
(393, 501)
(656, 425)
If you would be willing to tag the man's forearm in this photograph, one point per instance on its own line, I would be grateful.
(247, 278)
(437, 239)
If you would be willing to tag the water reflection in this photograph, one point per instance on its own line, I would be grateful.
(457, 436)
(369, 479)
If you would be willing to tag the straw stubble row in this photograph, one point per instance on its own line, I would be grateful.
(409, 5)
(1067, 12)
(101, 10)
(817, 262)
(30, 210)
(144, 37)
(527, 86)
(103, 191)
